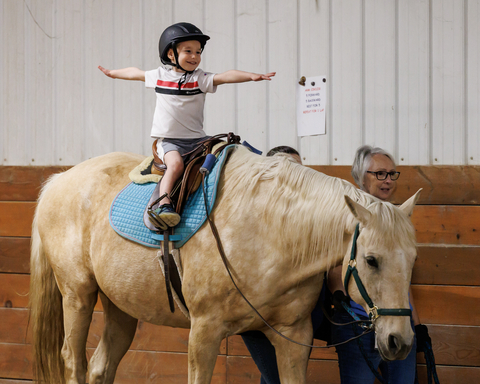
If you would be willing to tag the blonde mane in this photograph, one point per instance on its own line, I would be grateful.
(300, 203)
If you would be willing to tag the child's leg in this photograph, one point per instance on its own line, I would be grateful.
(174, 162)
(165, 212)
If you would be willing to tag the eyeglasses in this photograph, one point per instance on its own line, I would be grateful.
(382, 175)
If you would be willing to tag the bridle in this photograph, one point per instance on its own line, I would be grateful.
(374, 311)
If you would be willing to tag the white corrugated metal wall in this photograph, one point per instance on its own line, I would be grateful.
(402, 74)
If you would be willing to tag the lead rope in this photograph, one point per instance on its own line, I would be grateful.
(360, 346)
(225, 263)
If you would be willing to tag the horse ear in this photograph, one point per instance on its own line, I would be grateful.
(361, 213)
(407, 206)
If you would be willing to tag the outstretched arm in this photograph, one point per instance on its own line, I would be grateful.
(234, 76)
(130, 73)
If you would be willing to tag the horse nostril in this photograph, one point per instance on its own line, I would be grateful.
(393, 344)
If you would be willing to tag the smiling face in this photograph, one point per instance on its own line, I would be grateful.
(383, 189)
(189, 55)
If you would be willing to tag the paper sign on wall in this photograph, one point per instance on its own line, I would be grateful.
(311, 102)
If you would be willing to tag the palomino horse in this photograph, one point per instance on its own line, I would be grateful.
(282, 226)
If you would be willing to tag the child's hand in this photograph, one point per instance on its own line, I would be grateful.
(106, 71)
(257, 77)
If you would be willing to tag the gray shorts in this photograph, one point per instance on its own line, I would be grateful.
(180, 145)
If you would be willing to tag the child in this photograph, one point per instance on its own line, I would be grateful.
(178, 118)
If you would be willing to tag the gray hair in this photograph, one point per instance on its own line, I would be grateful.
(363, 158)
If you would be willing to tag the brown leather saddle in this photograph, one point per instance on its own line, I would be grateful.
(187, 185)
(191, 179)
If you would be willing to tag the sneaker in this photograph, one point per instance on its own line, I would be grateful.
(167, 215)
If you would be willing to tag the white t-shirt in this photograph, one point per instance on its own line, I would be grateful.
(179, 113)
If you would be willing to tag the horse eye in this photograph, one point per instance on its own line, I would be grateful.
(372, 261)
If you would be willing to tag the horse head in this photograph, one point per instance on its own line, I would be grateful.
(381, 259)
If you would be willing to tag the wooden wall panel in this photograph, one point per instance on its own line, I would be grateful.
(436, 264)
(135, 367)
(24, 183)
(456, 305)
(16, 218)
(447, 224)
(447, 265)
(446, 271)
(15, 254)
(441, 184)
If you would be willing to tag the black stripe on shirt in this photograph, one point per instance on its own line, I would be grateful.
(183, 92)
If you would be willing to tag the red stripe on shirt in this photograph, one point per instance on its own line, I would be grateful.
(171, 84)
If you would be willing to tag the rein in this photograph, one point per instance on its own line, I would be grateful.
(374, 311)
(205, 170)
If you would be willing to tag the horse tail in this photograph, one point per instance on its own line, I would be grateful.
(46, 314)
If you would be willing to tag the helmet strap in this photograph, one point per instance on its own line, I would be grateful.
(183, 79)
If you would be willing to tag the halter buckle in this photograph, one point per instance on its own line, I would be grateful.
(353, 263)
(374, 313)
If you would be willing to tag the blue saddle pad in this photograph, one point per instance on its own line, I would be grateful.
(126, 211)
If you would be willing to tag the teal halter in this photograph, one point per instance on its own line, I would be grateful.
(374, 311)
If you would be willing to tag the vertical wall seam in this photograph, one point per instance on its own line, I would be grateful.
(465, 80)
(54, 87)
(114, 101)
(299, 51)
(430, 82)
(83, 149)
(267, 65)
(397, 82)
(235, 61)
(26, 145)
(330, 81)
(363, 72)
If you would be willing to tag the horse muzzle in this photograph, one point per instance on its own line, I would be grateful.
(394, 346)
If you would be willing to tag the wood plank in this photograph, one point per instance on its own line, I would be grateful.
(16, 218)
(451, 374)
(452, 345)
(441, 184)
(149, 337)
(242, 370)
(460, 304)
(444, 265)
(436, 264)
(441, 224)
(15, 361)
(8, 381)
(15, 254)
(14, 291)
(135, 367)
(24, 183)
(447, 304)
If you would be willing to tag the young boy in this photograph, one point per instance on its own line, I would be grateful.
(178, 118)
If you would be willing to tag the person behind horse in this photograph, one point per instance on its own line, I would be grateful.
(260, 348)
(374, 171)
(178, 117)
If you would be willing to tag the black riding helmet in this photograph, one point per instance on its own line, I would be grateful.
(175, 34)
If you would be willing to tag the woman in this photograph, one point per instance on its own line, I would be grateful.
(374, 171)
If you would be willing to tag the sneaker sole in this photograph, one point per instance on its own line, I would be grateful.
(171, 219)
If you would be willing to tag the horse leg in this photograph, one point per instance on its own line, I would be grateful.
(118, 333)
(203, 345)
(292, 359)
(77, 312)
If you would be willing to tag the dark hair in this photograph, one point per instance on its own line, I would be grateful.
(283, 149)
